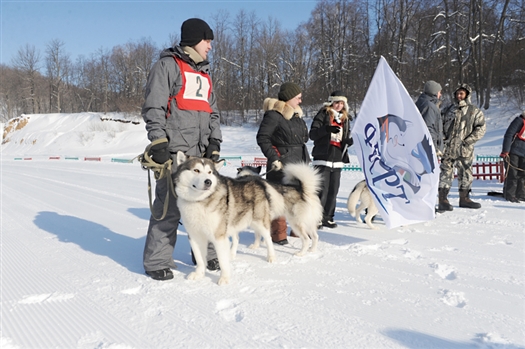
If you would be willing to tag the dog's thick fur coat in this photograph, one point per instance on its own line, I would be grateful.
(362, 194)
(214, 207)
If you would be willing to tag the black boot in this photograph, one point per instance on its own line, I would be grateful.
(464, 200)
(443, 204)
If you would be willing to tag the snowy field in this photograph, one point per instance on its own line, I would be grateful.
(73, 231)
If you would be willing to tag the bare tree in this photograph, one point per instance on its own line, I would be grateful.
(220, 64)
(481, 42)
(27, 61)
(497, 37)
(10, 105)
(57, 64)
(341, 50)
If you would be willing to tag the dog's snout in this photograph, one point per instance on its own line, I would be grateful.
(207, 182)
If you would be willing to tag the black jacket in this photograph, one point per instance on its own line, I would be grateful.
(322, 149)
(512, 144)
(282, 134)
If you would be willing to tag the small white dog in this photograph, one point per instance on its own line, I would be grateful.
(362, 193)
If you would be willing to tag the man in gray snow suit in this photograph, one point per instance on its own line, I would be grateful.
(181, 114)
(427, 104)
(464, 125)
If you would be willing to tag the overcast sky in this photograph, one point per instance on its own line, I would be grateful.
(86, 26)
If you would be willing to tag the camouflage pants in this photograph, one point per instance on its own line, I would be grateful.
(464, 169)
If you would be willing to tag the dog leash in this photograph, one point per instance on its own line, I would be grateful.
(159, 171)
(264, 174)
(506, 159)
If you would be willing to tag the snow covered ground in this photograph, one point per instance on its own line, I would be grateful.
(73, 231)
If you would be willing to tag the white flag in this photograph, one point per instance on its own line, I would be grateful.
(396, 152)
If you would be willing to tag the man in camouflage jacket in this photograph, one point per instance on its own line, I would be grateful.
(464, 125)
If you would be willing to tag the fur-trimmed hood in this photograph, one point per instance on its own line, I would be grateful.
(282, 108)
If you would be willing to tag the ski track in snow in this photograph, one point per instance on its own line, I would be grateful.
(95, 288)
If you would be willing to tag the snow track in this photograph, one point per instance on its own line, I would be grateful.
(72, 277)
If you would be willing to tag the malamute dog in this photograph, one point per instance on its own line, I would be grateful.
(362, 193)
(300, 209)
(214, 207)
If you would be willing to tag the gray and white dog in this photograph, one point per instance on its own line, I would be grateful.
(215, 207)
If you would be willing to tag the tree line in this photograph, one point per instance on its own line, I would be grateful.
(479, 42)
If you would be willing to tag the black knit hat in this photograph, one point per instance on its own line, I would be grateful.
(288, 91)
(194, 30)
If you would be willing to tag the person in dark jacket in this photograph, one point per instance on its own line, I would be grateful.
(282, 137)
(330, 131)
(513, 152)
(427, 104)
(180, 112)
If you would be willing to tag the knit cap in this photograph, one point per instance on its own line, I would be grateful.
(432, 88)
(193, 31)
(288, 91)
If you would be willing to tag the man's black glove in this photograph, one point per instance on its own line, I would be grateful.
(213, 150)
(158, 151)
(333, 129)
(349, 141)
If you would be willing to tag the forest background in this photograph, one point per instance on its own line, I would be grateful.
(479, 42)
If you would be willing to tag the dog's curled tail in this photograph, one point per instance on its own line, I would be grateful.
(308, 176)
(354, 196)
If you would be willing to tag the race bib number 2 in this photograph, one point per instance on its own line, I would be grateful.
(197, 87)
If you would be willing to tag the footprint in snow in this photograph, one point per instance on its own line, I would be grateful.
(444, 271)
(454, 299)
(500, 240)
(492, 339)
(410, 254)
(229, 310)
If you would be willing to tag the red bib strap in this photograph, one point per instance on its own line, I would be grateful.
(521, 133)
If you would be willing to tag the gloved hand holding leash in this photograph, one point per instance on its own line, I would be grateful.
(157, 158)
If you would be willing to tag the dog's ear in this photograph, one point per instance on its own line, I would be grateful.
(219, 164)
(181, 157)
(258, 169)
(239, 169)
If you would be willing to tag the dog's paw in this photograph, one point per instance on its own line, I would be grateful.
(254, 246)
(223, 280)
(270, 259)
(300, 254)
(312, 249)
(195, 276)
